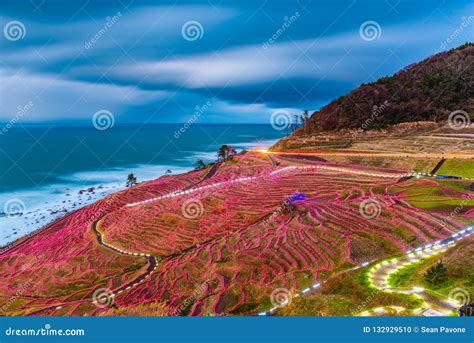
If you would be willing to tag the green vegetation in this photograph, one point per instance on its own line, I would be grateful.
(426, 91)
(436, 274)
(439, 276)
(433, 202)
(200, 164)
(346, 294)
(457, 168)
(449, 194)
(157, 309)
(407, 275)
(131, 180)
(225, 152)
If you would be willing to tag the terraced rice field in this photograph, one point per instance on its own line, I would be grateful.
(222, 243)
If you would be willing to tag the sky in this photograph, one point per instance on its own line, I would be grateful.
(220, 61)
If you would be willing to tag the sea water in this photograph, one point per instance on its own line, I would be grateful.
(49, 170)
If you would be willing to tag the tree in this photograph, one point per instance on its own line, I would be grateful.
(131, 180)
(294, 124)
(305, 121)
(200, 164)
(305, 116)
(225, 152)
(168, 171)
(436, 274)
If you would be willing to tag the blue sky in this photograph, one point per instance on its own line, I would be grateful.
(246, 59)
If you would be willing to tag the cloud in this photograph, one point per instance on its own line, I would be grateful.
(342, 57)
(120, 30)
(142, 68)
(246, 112)
(56, 98)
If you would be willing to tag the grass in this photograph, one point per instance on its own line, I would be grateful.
(434, 203)
(435, 197)
(460, 186)
(407, 276)
(413, 275)
(347, 294)
(457, 168)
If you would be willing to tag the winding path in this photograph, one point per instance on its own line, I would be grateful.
(152, 260)
(380, 273)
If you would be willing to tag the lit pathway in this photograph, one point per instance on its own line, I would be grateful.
(374, 154)
(275, 172)
(380, 273)
(152, 265)
(152, 261)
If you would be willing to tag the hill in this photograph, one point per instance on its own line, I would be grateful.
(225, 240)
(426, 91)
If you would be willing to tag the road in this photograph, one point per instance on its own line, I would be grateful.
(369, 154)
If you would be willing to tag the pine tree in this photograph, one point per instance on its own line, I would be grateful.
(200, 164)
(225, 152)
(131, 180)
(436, 274)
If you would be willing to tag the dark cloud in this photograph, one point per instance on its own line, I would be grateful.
(130, 56)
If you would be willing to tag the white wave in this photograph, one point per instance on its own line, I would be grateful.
(45, 204)
(206, 156)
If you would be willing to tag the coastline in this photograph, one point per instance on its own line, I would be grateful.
(45, 205)
(50, 203)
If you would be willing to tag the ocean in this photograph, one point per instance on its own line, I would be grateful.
(48, 170)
